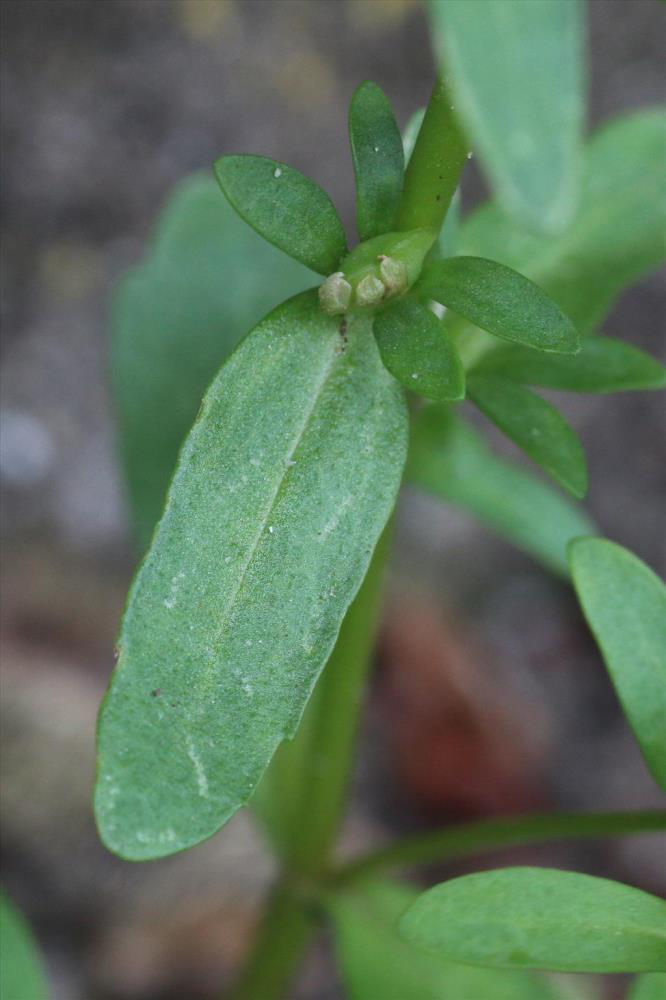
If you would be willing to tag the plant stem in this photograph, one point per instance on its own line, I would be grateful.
(434, 168)
(473, 838)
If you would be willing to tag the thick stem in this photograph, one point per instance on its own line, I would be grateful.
(434, 168)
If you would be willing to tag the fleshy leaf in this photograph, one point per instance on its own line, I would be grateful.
(617, 235)
(21, 975)
(649, 987)
(450, 460)
(417, 350)
(286, 208)
(601, 365)
(281, 492)
(207, 280)
(378, 160)
(625, 605)
(521, 103)
(501, 301)
(541, 918)
(534, 425)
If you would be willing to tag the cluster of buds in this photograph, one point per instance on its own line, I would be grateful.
(335, 294)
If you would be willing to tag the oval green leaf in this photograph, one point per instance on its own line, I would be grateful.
(417, 350)
(649, 987)
(534, 425)
(378, 159)
(21, 974)
(501, 301)
(543, 919)
(286, 208)
(625, 606)
(207, 280)
(450, 460)
(601, 365)
(521, 105)
(282, 490)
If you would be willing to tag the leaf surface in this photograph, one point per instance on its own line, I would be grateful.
(501, 301)
(378, 160)
(625, 606)
(534, 425)
(649, 987)
(521, 104)
(541, 918)
(21, 975)
(282, 490)
(286, 208)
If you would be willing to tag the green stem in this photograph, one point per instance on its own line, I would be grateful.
(474, 838)
(434, 168)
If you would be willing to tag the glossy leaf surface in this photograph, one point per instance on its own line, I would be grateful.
(417, 350)
(378, 160)
(521, 102)
(21, 975)
(541, 918)
(207, 280)
(450, 460)
(616, 236)
(282, 490)
(501, 301)
(534, 425)
(625, 605)
(602, 365)
(286, 208)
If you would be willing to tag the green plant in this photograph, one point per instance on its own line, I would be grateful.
(266, 565)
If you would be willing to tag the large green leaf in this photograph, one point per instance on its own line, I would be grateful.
(625, 605)
(649, 987)
(541, 918)
(282, 489)
(534, 425)
(616, 236)
(449, 459)
(417, 349)
(501, 301)
(378, 160)
(207, 280)
(378, 965)
(21, 975)
(516, 74)
(602, 365)
(286, 208)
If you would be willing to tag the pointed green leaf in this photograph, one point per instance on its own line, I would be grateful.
(500, 301)
(541, 918)
(617, 235)
(449, 459)
(282, 490)
(286, 208)
(378, 161)
(207, 279)
(21, 975)
(534, 425)
(521, 104)
(625, 605)
(601, 365)
(376, 963)
(416, 349)
(649, 987)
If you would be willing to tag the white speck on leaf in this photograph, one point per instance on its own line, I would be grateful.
(200, 774)
(277, 172)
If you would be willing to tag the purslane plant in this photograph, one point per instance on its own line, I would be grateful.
(266, 564)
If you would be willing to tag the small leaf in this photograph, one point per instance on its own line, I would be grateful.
(601, 365)
(500, 301)
(617, 235)
(449, 459)
(378, 161)
(625, 606)
(377, 964)
(543, 919)
(534, 425)
(21, 975)
(417, 350)
(282, 490)
(286, 208)
(521, 104)
(649, 987)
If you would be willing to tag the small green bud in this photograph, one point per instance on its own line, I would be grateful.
(335, 294)
(370, 291)
(394, 275)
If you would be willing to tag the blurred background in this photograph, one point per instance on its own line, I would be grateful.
(489, 695)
